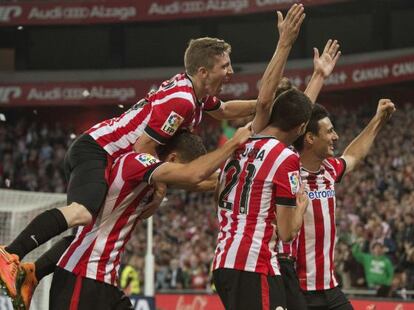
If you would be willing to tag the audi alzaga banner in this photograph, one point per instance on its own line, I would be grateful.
(241, 86)
(114, 11)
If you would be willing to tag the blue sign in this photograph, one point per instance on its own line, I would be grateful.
(142, 302)
(5, 303)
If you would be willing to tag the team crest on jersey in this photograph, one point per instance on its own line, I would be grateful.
(146, 159)
(172, 123)
(294, 181)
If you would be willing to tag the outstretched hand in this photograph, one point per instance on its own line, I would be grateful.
(325, 63)
(289, 25)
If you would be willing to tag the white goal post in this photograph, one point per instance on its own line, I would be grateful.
(17, 209)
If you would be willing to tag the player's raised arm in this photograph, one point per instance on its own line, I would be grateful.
(323, 66)
(360, 146)
(202, 167)
(288, 31)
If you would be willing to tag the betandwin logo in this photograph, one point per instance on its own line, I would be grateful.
(9, 92)
(9, 12)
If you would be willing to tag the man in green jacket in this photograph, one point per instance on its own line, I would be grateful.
(378, 268)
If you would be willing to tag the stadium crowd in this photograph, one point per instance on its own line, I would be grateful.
(374, 214)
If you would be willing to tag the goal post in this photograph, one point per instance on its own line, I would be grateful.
(17, 209)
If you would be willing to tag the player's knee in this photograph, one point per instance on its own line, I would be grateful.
(77, 215)
(83, 216)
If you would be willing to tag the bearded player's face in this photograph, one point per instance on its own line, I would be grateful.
(324, 144)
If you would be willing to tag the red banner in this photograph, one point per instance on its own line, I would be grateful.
(242, 86)
(381, 305)
(188, 302)
(114, 11)
(209, 302)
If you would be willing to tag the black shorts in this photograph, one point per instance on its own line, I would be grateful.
(294, 297)
(69, 291)
(243, 290)
(332, 299)
(85, 165)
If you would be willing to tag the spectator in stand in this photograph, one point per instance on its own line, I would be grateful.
(175, 275)
(131, 277)
(31, 156)
(379, 271)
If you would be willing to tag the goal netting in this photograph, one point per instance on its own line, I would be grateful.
(17, 209)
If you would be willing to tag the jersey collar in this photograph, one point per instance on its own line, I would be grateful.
(200, 103)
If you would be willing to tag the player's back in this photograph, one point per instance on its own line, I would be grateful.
(247, 204)
(118, 134)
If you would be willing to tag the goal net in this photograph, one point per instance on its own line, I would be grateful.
(17, 209)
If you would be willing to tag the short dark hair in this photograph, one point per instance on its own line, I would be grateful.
(290, 109)
(187, 145)
(318, 112)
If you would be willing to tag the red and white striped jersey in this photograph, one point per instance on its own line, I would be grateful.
(288, 248)
(263, 173)
(160, 114)
(95, 252)
(316, 239)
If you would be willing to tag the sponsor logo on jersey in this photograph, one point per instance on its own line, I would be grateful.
(294, 181)
(147, 160)
(327, 193)
(172, 123)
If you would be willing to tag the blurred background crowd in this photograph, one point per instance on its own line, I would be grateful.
(375, 245)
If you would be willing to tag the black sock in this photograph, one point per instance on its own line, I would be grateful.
(46, 263)
(43, 228)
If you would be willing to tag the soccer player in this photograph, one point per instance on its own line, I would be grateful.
(260, 180)
(320, 170)
(323, 67)
(89, 267)
(177, 104)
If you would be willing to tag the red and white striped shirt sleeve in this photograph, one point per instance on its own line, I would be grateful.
(339, 165)
(211, 104)
(140, 167)
(168, 117)
(287, 181)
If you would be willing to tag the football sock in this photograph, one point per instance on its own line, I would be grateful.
(42, 228)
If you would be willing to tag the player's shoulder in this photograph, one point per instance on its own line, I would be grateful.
(144, 159)
(287, 151)
(332, 162)
(137, 166)
(292, 152)
(336, 166)
(177, 90)
(180, 80)
(274, 146)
